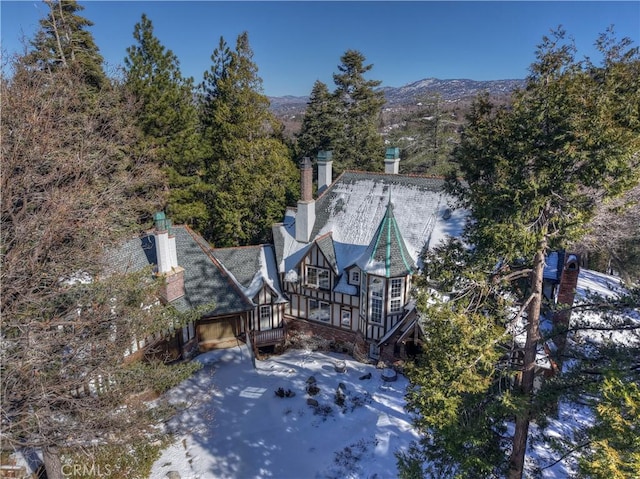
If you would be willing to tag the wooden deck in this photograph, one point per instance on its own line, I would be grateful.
(267, 338)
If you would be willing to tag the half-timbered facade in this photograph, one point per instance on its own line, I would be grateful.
(346, 259)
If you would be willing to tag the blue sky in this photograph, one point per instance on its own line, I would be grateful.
(297, 43)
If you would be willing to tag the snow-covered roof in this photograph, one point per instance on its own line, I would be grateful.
(251, 267)
(387, 253)
(353, 207)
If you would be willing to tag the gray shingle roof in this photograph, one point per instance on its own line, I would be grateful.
(243, 262)
(252, 267)
(204, 280)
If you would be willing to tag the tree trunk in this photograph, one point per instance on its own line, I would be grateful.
(518, 453)
(52, 463)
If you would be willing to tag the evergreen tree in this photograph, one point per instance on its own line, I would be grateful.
(168, 118)
(249, 166)
(347, 120)
(63, 42)
(358, 144)
(534, 175)
(319, 126)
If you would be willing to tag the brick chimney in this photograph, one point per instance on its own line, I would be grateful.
(325, 173)
(566, 293)
(167, 257)
(306, 212)
(392, 161)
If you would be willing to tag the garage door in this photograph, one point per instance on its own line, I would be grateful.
(218, 333)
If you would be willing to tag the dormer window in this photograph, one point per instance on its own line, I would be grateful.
(354, 277)
(318, 277)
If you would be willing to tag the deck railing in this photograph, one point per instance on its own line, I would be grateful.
(271, 336)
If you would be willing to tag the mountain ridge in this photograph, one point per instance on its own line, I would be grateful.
(448, 89)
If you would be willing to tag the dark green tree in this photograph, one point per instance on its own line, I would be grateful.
(168, 118)
(63, 41)
(534, 174)
(319, 126)
(248, 165)
(358, 145)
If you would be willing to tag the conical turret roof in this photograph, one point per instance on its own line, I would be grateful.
(387, 255)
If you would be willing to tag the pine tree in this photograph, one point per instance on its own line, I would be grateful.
(63, 42)
(249, 165)
(319, 125)
(347, 120)
(168, 118)
(534, 175)
(358, 144)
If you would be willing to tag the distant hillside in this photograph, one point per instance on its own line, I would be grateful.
(448, 89)
(290, 109)
(408, 94)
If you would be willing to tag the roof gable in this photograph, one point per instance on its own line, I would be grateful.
(252, 267)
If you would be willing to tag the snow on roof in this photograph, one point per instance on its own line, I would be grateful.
(251, 267)
(355, 204)
(344, 287)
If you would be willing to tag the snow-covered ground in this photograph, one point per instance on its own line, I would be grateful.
(236, 427)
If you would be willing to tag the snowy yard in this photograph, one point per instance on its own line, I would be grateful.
(236, 427)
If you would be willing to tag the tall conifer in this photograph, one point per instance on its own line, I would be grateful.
(320, 122)
(249, 166)
(534, 174)
(63, 41)
(358, 144)
(168, 118)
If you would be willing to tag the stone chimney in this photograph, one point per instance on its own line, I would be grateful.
(392, 161)
(306, 212)
(566, 294)
(167, 258)
(325, 173)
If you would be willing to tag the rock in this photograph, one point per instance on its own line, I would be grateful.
(340, 366)
(342, 386)
(311, 380)
(312, 402)
(389, 375)
(173, 475)
(366, 376)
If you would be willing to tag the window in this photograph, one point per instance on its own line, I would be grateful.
(188, 333)
(265, 317)
(317, 277)
(345, 318)
(319, 310)
(377, 295)
(395, 302)
(355, 277)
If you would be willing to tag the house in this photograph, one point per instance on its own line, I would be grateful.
(341, 266)
(346, 258)
(244, 295)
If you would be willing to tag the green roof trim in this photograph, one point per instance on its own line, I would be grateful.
(387, 246)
